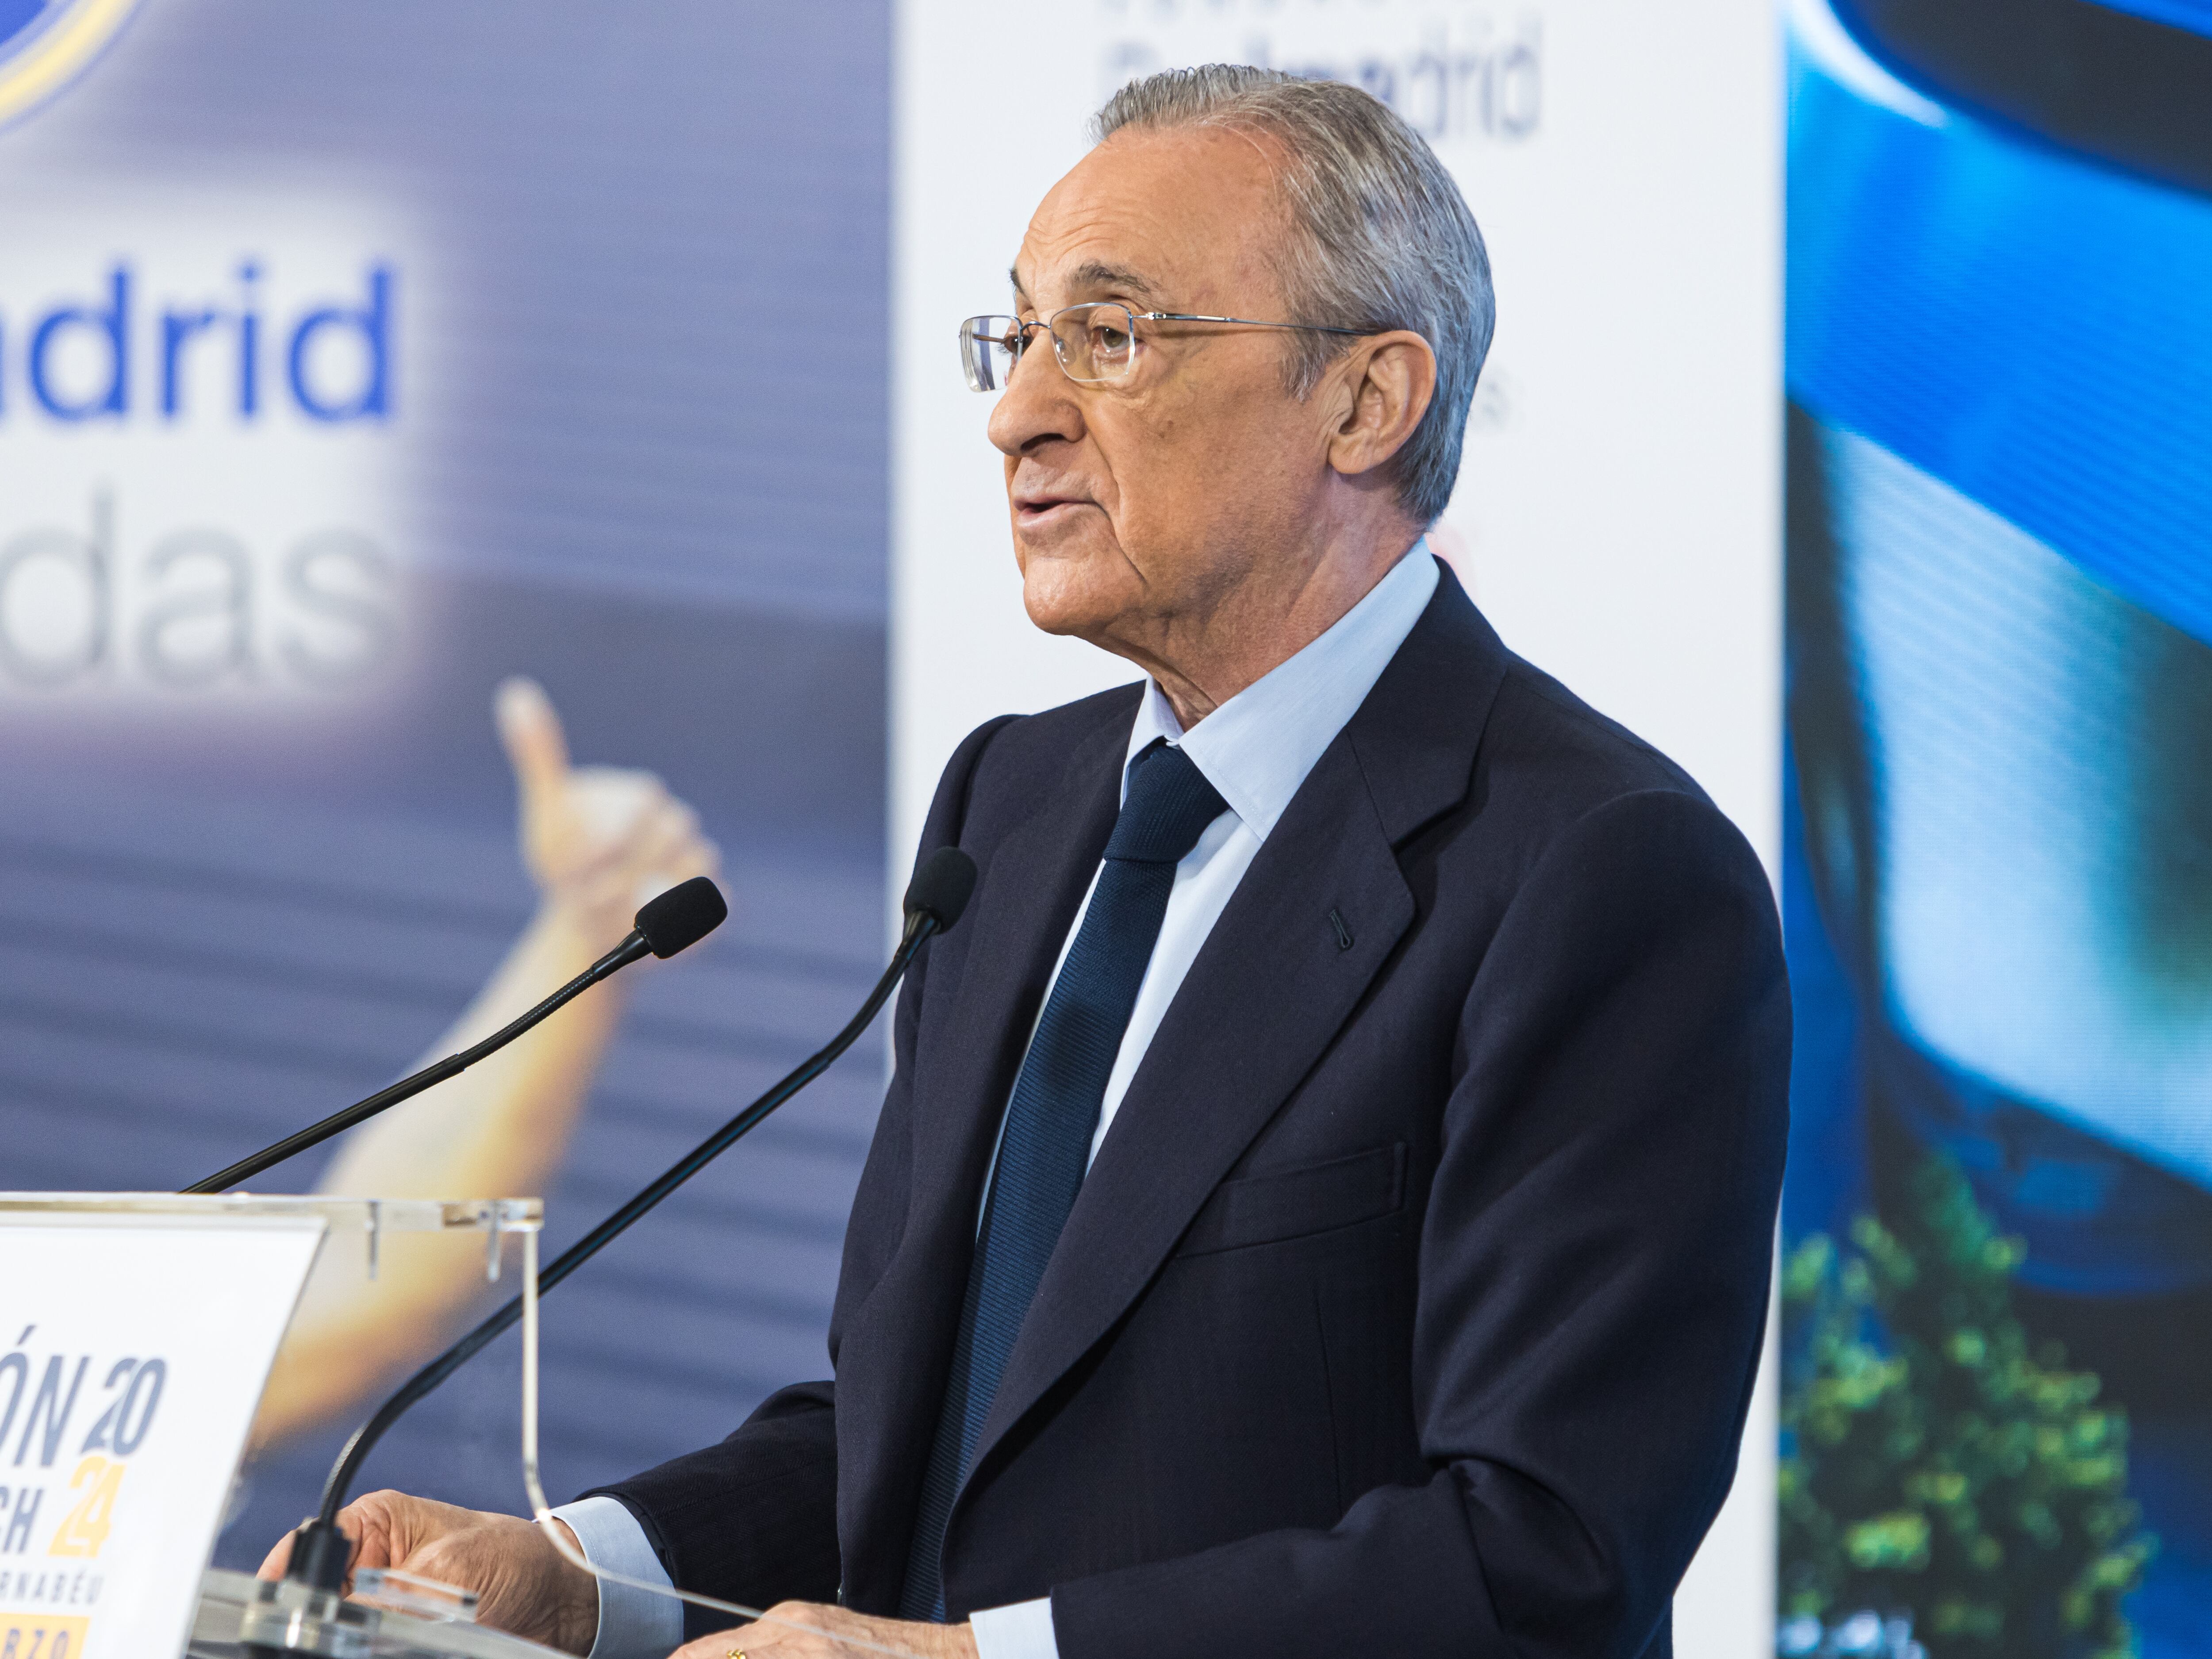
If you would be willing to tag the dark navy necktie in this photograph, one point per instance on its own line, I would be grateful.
(1046, 1145)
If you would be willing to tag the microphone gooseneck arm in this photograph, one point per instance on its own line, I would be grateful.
(672, 921)
(630, 949)
(320, 1552)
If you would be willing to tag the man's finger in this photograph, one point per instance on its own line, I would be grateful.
(536, 746)
(273, 1564)
(376, 1532)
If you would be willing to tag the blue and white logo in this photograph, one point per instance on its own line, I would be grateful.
(45, 44)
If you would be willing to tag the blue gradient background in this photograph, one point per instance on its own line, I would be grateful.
(2000, 354)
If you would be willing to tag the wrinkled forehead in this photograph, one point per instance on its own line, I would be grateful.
(1185, 220)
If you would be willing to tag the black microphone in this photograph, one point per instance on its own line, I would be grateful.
(934, 901)
(673, 921)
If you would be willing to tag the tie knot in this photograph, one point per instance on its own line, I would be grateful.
(1168, 806)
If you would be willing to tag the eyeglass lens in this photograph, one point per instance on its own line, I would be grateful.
(989, 348)
(1094, 343)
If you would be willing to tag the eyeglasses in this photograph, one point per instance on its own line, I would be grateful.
(1097, 345)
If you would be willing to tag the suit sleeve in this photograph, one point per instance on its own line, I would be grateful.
(753, 1520)
(1593, 1286)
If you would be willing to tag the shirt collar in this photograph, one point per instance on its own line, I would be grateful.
(1257, 748)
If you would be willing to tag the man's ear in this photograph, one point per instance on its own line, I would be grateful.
(1384, 384)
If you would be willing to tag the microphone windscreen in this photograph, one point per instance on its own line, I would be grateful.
(679, 918)
(941, 886)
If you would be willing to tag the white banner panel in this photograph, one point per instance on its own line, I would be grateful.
(136, 1353)
(1618, 516)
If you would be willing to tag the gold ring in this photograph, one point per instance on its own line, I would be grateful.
(737, 1653)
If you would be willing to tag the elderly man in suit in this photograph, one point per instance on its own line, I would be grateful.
(1323, 1205)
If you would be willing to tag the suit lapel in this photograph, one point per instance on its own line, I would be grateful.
(892, 1368)
(1035, 879)
(1266, 993)
(1269, 990)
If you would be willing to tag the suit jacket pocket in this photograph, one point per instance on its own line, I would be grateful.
(1285, 1204)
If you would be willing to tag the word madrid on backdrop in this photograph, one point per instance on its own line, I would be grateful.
(143, 391)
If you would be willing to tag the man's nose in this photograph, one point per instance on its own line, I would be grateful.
(1039, 402)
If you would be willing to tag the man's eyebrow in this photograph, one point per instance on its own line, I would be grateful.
(1092, 274)
(1095, 274)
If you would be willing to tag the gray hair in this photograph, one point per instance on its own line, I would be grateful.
(1381, 237)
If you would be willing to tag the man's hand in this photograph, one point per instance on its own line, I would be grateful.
(522, 1582)
(801, 1630)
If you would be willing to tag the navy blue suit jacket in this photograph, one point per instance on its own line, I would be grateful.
(1413, 1302)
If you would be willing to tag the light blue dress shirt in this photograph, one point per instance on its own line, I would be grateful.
(1256, 750)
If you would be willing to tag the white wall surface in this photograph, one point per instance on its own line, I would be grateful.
(1617, 517)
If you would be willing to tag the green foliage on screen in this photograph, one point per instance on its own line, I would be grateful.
(1936, 1459)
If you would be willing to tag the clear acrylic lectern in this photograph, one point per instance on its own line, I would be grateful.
(142, 1328)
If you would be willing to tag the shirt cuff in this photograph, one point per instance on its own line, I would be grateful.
(1022, 1630)
(633, 1624)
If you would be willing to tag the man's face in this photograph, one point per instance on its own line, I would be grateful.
(1138, 506)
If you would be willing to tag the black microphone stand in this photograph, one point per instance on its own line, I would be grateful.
(675, 921)
(408, 1087)
(321, 1552)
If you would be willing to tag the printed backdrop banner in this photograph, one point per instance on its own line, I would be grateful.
(1618, 515)
(353, 359)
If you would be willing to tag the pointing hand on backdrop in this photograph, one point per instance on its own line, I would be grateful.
(599, 841)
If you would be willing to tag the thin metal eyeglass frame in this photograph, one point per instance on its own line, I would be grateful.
(1022, 329)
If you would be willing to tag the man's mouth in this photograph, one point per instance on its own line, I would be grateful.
(1047, 509)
